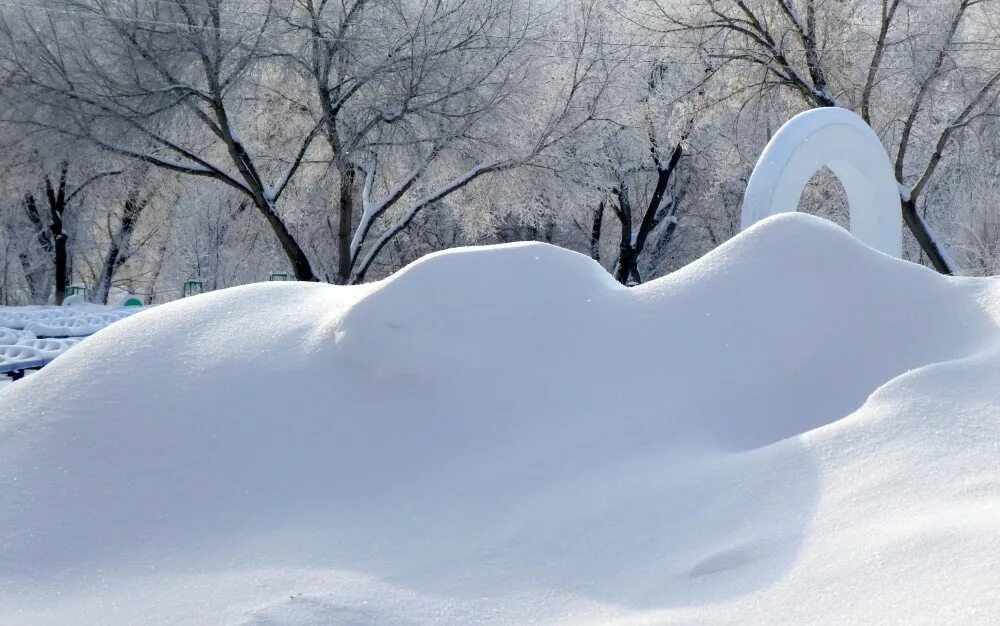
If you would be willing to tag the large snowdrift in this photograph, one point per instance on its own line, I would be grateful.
(794, 428)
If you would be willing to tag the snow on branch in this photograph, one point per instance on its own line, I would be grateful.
(420, 204)
(273, 192)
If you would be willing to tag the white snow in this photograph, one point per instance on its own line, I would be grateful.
(794, 428)
(33, 336)
(56, 321)
(841, 141)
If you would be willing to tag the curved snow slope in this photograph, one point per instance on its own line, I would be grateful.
(795, 427)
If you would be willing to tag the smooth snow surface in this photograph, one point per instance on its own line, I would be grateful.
(840, 140)
(795, 428)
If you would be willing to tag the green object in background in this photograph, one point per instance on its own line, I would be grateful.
(279, 276)
(77, 290)
(192, 288)
(132, 302)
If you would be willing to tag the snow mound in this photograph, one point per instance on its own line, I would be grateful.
(794, 425)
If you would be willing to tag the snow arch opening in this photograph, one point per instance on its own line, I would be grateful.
(841, 141)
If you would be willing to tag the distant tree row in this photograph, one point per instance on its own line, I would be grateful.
(148, 142)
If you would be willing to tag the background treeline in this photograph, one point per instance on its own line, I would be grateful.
(147, 142)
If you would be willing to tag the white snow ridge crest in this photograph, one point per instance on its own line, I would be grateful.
(793, 428)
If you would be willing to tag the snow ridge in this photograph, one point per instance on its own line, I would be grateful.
(794, 425)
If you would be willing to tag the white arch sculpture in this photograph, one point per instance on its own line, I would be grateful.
(840, 140)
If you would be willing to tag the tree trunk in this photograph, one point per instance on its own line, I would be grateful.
(626, 248)
(62, 275)
(924, 237)
(37, 277)
(345, 223)
(60, 240)
(107, 274)
(118, 248)
(296, 255)
(161, 256)
(595, 233)
(626, 262)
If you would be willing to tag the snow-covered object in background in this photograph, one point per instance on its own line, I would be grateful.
(21, 357)
(18, 318)
(75, 300)
(30, 337)
(77, 322)
(11, 336)
(840, 140)
(71, 326)
(50, 347)
(118, 297)
(794, 428)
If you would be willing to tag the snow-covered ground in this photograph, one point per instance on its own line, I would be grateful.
(795, 429)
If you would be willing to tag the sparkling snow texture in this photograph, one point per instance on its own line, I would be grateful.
(794, 428)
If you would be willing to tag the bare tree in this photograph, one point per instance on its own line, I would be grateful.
(164, 83)
(798, 46)
(121, 245)
(413, 98)
(51, 229)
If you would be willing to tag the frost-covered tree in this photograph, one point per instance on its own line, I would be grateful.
(341, 140)
(166, 83)
(917, 72)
